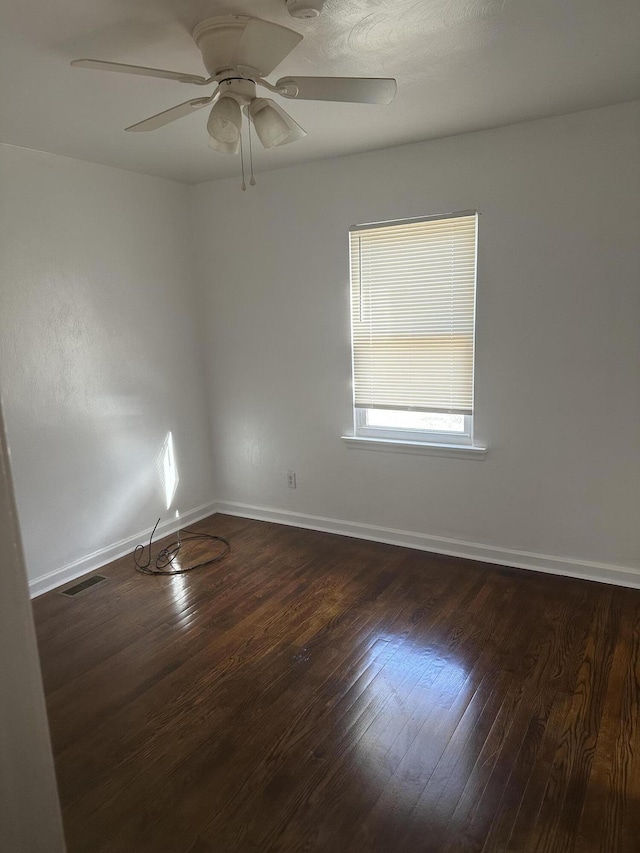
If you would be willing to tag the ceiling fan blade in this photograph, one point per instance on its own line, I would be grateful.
(99, 65)
(166, 117)
(355, 90)
(264, 45)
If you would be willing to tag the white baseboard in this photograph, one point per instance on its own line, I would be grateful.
(602, 572)
(119, 549)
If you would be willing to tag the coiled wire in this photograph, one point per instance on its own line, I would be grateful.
(166, 556)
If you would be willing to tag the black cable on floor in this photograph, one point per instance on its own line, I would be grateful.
(167, 555)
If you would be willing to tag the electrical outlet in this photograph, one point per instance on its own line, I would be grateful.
(291, 479)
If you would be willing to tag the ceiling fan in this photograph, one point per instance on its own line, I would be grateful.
(238, 53)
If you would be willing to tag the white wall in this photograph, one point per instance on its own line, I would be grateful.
(29, 810)
(100, 356)
(100, 345)
(558, 337)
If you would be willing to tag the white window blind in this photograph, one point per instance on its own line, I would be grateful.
(413, 313)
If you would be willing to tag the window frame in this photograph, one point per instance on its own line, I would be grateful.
(399, 437)
(361, 428)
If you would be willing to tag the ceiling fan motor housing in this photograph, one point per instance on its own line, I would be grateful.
(304, 8)
(217, 40)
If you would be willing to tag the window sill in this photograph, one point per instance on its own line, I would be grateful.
(456, 451)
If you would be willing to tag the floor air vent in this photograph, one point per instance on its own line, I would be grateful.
(83, 585)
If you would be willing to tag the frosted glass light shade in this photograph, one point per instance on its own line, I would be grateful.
(225, 121)
(271, 127)
(224, 147)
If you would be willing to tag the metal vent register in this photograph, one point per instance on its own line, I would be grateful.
(83, 585)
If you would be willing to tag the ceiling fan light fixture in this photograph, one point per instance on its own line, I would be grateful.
(224, 147)
(225, 122)
(272, 127)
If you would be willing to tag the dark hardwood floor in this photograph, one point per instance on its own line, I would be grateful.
(318, 693)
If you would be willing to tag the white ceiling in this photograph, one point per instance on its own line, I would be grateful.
(461, 65)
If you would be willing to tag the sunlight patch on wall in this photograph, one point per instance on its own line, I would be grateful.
(169, 469)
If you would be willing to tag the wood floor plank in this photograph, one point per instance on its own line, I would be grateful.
(313, 692)
(623, 789)
(413, 743)
(161, 754)
(561, 808)
(601, 820)
(378, 709)
(557, 652)
(542, 665)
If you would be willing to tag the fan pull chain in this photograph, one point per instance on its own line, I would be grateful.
(244, 186)
(252, 180)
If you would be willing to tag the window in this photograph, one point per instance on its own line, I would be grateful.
(413, 286)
